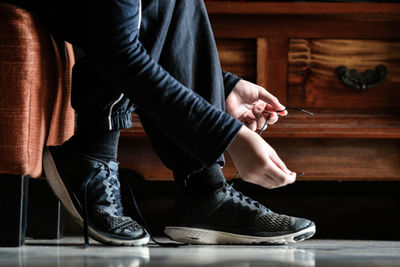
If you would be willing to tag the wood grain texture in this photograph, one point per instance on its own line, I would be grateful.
(262, 59)
(381, 26)
(302, 8)
(325, 123)
(337, 124)
(272, 66)
(338, 159)
(313, 82)
(239, 57)
(136, 153)
(320, 159)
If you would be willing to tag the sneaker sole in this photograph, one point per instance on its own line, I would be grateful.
(203, 236)
(56, 183)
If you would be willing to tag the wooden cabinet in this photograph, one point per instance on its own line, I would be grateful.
(296, 50)
(316, 79)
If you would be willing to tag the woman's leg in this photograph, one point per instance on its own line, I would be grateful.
(178, 35)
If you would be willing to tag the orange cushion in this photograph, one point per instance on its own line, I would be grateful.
(35, 85)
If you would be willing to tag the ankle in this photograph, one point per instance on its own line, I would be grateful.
(205, 181)
(101, 145)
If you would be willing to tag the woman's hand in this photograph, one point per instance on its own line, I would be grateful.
(251, 104)
(257, 161)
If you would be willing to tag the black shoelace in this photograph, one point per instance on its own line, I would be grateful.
(145, 225)
(92, 175)
(85, 208)
(229, 188)
(138, 211)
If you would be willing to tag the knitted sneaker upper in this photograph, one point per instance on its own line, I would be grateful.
(101, 180)
(114, 224)
(230, 211)
(104, 188)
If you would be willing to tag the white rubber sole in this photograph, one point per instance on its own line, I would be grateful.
(59, 189)
(203, 236)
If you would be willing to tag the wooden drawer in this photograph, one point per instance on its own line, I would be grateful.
(239, 56)
(313, 81)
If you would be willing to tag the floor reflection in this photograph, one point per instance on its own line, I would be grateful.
(233, 256)
(70, 252)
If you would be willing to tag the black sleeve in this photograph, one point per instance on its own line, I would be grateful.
(182, 115)
(230, 81)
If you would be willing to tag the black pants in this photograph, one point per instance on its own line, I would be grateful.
(176, 34)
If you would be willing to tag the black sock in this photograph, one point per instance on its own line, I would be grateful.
(205, 181)
(100, 144)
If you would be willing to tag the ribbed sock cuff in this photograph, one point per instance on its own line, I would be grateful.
(99, 144)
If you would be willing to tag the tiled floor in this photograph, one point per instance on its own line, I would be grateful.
(70, 252)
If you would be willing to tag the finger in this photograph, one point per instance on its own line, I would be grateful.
(282, 112)
(259, 106)
(260, 119)
(247, 116)
(273, 118)
(277, 160)
(260, 122)
(293, 180)
(292, 175)
(280, 176)
(268, 182)
(265, 96)
(251, 124)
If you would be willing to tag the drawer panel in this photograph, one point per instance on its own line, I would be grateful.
(239, 56)
(314, 83)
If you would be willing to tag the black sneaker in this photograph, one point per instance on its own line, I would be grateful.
(68, 171)
(226, 216)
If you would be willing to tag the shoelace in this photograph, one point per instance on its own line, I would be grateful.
(141, 217)
(85, 208)
(145, 225)
(92, 175)
(113, 184)
(229, 188)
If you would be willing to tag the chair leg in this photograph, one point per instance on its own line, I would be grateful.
(13, 205)
(44, 213)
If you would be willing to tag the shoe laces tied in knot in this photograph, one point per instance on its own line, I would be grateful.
(228, 188)
(112, 190)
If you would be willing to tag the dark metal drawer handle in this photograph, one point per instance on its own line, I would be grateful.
(361, 82)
